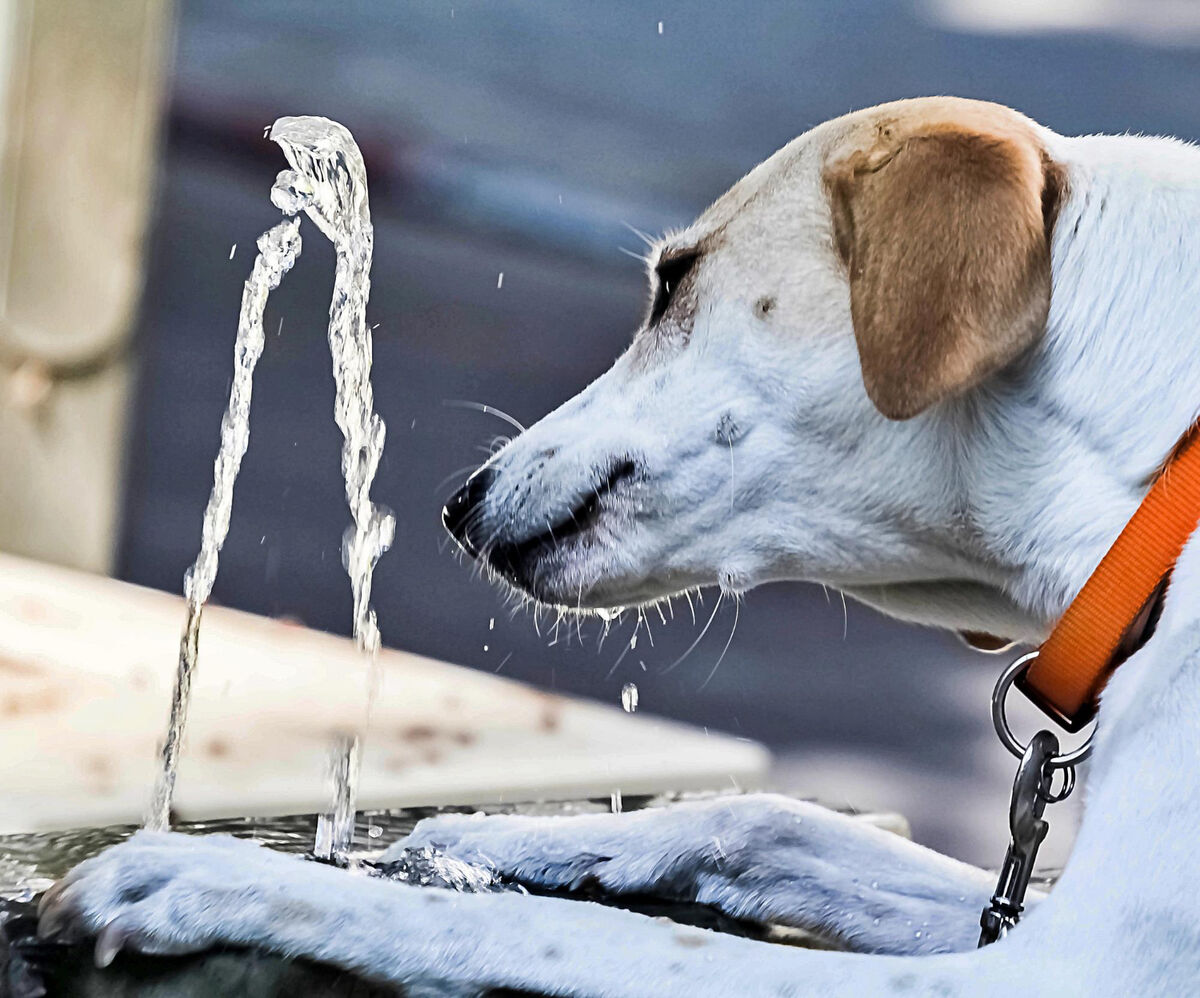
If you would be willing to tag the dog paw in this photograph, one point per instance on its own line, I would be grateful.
(161, 893)
(548, 853)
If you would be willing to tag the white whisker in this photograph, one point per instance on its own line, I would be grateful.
(737, 606)
(489, 410)
(699, 637)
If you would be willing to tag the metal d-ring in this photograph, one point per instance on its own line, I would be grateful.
(1000, 719)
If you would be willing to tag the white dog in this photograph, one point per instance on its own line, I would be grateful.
(932, 354)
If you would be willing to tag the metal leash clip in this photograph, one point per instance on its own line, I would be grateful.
(1032, 791)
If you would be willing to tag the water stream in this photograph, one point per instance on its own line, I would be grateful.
(327, 181)
(278, 249)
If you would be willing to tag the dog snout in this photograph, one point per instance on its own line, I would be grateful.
(526, 523)
(462, 516)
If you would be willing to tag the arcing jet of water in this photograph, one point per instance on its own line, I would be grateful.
(327, 181)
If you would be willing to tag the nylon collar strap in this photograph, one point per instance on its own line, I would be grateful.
(1092, 638)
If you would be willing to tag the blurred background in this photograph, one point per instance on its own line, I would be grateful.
(512, 149)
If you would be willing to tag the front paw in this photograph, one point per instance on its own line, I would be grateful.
(159, 893)
(548, 853)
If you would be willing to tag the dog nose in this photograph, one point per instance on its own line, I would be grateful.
(461, 515)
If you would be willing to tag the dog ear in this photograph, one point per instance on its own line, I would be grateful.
(945, 232)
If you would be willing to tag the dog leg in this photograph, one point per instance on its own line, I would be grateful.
(170, 893)
(761, 857)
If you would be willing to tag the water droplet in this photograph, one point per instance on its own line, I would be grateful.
(874, 885)
(629, 697)
(485, 647)
(875, 921)
(916, 935)
(500, 281)
(492, 624)
(633, 641)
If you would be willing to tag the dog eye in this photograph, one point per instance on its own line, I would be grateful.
(669, 274)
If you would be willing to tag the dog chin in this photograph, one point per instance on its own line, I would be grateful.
(574, 576)
(589, 582)
(558, 579)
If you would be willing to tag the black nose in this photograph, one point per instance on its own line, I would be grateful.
(462, 515)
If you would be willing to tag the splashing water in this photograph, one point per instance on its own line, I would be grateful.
(277, 251)
(629, 697)
(328, 183)
(332, 839)
(629, 702)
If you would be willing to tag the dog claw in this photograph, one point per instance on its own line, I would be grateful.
(50, 895)
(108, 945)
(51, 923)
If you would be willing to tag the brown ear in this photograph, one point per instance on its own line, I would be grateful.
(945, 232)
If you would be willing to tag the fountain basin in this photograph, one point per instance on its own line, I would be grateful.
(86, 665)
(30, 862)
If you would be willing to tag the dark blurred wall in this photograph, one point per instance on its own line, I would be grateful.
(528, 139)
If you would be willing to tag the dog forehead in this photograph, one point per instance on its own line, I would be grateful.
(866, 140)
(918, 114)
(789, 184)
(784, 180)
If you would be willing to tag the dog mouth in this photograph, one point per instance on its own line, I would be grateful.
(519, 562)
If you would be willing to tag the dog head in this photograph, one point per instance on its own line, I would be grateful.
(784, 410)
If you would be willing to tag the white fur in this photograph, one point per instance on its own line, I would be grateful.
(760, 457)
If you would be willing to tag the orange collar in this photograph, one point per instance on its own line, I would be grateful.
(1115, 609)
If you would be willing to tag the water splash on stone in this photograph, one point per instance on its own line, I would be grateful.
(335, 829)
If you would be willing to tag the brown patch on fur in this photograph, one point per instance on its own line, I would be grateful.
(942, 212)
(1166, 462)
